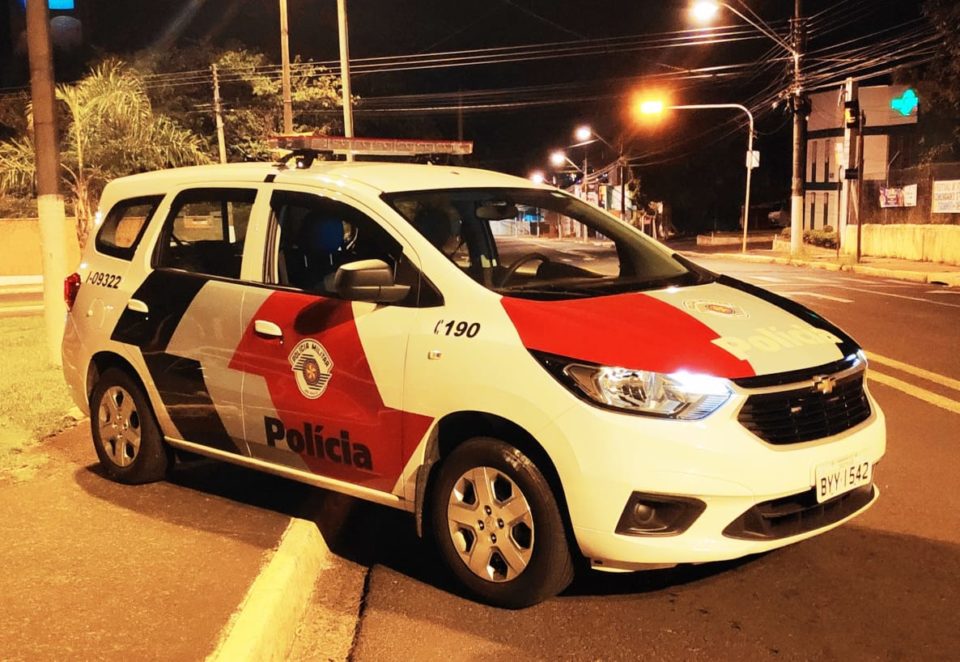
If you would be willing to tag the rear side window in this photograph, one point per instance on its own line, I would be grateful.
(121, 230)
(206, 230)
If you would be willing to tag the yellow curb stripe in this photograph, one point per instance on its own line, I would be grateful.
(930, 397)
(265, 625)
(929, 375)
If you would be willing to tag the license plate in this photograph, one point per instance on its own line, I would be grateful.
(835, 478)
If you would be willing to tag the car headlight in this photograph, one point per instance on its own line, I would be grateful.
(680, 395)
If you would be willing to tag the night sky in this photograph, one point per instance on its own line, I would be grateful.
(693, 155)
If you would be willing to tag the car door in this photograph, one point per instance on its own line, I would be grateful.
(324, 376)
(185, 316)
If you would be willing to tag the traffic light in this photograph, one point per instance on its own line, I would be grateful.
(851, 114)
(906, 103)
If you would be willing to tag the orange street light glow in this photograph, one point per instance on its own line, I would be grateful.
(558, 158)
(583, 133)
(704, 11)
(651, 107)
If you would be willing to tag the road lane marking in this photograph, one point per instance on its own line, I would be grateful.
(769, 279)
(930, 397)
(898, 296)
(813, 279)
(817, 296)
(942, 292)
(929, 375)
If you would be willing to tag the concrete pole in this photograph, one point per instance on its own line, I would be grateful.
(285, 62)
(345, 71)
(50, 208)
(746, 200)
(848, 160)
(218, 110)
(799, 131)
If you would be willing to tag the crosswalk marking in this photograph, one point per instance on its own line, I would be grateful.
(898, 296)
(816, 295)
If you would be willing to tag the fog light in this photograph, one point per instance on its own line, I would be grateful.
(642, 513)
(658, 515)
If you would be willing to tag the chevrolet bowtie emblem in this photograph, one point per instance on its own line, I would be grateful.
(824, 384)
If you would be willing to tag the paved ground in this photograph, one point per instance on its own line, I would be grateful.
(97, 570)
(882, 588)
(103, 571)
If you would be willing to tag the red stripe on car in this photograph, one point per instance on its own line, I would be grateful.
(626, 330)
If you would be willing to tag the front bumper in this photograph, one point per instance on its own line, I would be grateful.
(718, 462)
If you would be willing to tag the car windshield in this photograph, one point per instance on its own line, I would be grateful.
(540, 244)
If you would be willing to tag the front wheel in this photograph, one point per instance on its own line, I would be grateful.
(125, 432)
(497, 525)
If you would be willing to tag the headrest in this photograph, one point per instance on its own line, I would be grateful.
(321, 234)
(435, 225)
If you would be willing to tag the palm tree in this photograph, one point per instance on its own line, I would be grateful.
(109, 130)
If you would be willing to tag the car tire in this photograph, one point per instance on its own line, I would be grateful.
(125, 432)
(506, 542)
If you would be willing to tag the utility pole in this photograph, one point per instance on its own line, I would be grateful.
(345, 72)
(460, 122)
(218, 110)
(49, 201)
(851, 132)
(799, 131)
(862, 121)
(285, 62)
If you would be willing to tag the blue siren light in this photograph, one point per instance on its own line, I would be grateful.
(55, 5)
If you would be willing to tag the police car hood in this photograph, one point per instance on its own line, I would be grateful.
(725, 328)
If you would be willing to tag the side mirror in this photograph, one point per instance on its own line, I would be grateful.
(368, 280)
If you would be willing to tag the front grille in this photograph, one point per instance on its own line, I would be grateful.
(803, 414)
(796, 514)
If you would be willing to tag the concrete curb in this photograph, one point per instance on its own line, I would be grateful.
(949, 278)
(13, 281)
(264, 627)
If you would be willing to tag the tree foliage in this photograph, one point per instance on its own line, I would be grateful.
(108, 129)
(939, 84)
(250, 89)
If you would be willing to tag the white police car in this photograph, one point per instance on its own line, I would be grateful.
(419, 336)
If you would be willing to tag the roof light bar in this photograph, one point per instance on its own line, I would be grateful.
(370, 146)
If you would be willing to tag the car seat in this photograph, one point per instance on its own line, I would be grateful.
(320, 242)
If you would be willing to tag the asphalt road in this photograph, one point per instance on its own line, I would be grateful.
(884, 587)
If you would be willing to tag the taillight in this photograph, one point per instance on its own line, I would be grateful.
(71, 287)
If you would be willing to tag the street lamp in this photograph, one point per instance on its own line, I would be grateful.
(706, 10)
(537, 177)
(655, 107)
(559, 158)
(585, 134)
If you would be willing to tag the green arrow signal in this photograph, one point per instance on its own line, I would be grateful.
(906, 103)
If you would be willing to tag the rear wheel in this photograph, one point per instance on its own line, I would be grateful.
(497, 525)
(125, 432)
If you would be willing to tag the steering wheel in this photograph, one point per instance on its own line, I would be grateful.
(519, 262)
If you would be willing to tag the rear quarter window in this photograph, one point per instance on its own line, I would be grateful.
(124, 224)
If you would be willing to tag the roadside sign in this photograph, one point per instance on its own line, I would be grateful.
(753, 159)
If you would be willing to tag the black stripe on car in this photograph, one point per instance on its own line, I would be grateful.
(178, 380)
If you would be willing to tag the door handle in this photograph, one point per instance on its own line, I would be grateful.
(267, 328)
(138, 306)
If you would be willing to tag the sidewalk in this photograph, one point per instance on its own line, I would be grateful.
(934, 273)
(98, 570)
